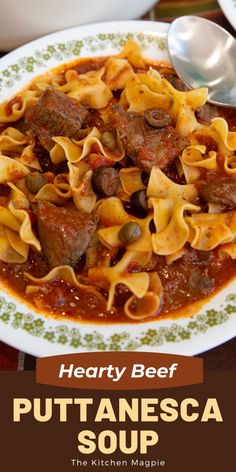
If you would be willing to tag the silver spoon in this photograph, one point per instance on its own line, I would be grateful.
(204, 55)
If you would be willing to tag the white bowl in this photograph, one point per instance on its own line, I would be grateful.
(25, 20)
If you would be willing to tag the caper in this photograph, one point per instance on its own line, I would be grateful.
(108, 140)
(157, 117)
(130, 232)
(35, 181)
(139, 200)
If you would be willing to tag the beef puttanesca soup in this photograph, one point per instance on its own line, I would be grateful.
(117, 191)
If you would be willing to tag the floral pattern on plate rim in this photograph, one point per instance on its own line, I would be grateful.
(62, 334)
(39, 326)
(70, 49)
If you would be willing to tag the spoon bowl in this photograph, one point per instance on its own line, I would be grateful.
(204, 55)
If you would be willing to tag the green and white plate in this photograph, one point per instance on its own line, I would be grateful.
(40, 335)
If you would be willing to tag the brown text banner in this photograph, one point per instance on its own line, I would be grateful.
(119, 370)
(33, 445)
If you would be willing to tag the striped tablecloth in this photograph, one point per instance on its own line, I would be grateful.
(223, 357)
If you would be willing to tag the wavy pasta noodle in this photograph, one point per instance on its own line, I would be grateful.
(12, 248)
(18, 108)
(170, 224)
(108, 278)
(8, 219)
(16, 232)
(11, 138)
(80, 183)
(131, 180)
(109, 235)
(227, 137)
(11, 170)
(64, 272)
(193, 158)
(28, 157)
(88, 88)
(160, 186)
(228, 250)
(117, 73)
(140, 96)
(18, 206)
(230, 164)
(56, 193)
(140, 309)
(183, 105)
(133, 53)
(212, 230)
(75, 151)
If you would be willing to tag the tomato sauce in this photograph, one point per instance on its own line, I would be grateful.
(181, 287)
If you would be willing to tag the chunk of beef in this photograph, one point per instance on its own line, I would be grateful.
(207, 112)
(55, 114)
(177, 83)
(200, 281)
(229, 114)
(22, 126)
(221, 190)
(208, 141)
(86, 65)
(64, 233)
(147, 146)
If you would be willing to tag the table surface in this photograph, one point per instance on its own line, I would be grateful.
(223, 357)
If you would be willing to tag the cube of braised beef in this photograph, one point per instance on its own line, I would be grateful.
(64, 233)
(145, 145)
(55, 114)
